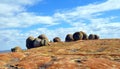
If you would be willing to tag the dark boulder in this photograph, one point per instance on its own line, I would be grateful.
(69, 38)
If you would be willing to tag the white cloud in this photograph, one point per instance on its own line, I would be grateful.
(13, 14)
(12, 7)
(11, 38)
(85, 18)
(20, 2)
(25, 20)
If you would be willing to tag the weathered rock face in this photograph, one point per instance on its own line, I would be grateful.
(85, 37)
(91, 37)
(56, 39)
(29, 42)
(43, 36)
(36, 42)
(69, 38)
(44, 42)
(78, 36)
(96, 36)
(88, 54)
(32, 42)
(40, 42)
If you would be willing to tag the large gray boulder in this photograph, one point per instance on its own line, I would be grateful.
(85, 36)
(91, 37)
(56, 39)
(96, 36)
(78, 36)
(40, 42)
(37, 42)
(43, 36)
(69, 38)
(29, 42)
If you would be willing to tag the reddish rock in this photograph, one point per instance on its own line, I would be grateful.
(83, 54)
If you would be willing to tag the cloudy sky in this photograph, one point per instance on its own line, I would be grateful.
(22, 18)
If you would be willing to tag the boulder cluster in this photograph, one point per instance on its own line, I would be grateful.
(42, 40)
(80, 36)
(93, 36)
(32, 42)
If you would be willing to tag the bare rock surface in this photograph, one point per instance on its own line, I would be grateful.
(82, 54)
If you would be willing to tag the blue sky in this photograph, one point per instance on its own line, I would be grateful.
(22, 18)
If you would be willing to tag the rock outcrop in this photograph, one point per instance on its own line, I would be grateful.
(56, 39)
(87, 54)
(32, 42)
(16, 49)
(69, 38)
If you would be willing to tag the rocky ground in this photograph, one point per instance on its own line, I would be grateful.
(82, 54)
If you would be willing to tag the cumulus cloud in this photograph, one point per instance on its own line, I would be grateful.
(13, 14)
(86, 18)
(11, 38)
(25, 20)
